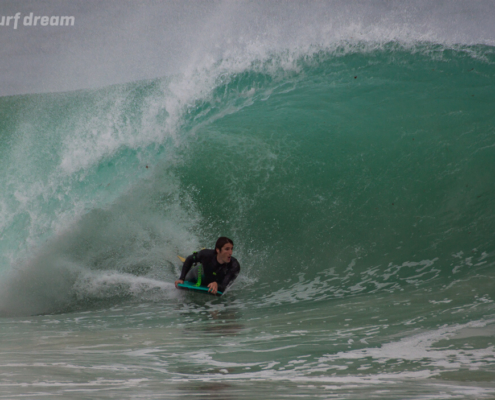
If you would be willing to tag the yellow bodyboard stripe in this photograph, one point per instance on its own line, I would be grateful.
(183, 259)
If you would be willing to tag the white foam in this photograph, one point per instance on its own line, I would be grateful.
(420, 348)
(97, 284)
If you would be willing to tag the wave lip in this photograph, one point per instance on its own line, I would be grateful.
(175, 37)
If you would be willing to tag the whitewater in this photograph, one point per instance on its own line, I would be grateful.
(348, 149)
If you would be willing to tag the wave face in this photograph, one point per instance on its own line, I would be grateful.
(356, 179)
(352, 171)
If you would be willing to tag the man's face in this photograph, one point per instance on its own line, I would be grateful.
(225, 253)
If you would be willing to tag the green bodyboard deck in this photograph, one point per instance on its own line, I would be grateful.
(192, 286)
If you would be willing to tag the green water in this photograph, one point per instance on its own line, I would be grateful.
(357, 185)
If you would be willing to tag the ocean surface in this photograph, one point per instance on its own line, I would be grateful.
(357, 181)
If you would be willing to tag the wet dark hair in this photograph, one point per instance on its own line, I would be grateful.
(222, 241)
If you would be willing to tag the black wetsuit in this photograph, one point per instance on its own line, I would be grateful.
(223, 274)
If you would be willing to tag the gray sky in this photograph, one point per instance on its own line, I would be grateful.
(116, 41)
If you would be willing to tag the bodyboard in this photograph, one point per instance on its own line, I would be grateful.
(192, 286)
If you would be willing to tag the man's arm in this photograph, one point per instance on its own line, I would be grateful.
(192, 259)
(187, 266)
(213, 287)
(230, 277)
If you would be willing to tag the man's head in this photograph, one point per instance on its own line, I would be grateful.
(224, 247)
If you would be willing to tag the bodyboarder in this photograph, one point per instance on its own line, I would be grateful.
(218, 268)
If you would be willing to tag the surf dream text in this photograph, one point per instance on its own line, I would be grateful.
(36, 20)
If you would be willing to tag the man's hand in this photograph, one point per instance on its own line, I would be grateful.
(213, 287)
(177, 282)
